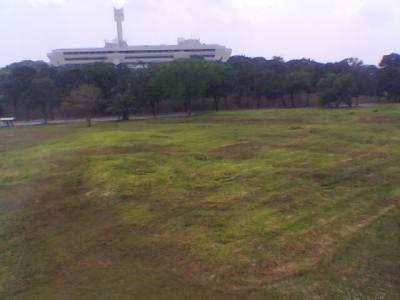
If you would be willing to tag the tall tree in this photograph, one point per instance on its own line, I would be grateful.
(3, 78)
(16, 84)
(84, 100)
(296, 82)
(390, 75)
(313, 69)
(217, 84)
(261, 75)
(42, 93)
(125, 95)
(243, 75)
(337, 89)
(275, 86)
(104, 76)
(185, 79)
(154, 89)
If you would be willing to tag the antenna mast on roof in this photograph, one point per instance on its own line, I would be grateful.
(119, 18)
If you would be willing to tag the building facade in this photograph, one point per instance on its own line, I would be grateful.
(119, 52)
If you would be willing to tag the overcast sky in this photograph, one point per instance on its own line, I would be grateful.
(323, 30)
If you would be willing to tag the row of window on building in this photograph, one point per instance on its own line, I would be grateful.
(133, 57)
(138, 51)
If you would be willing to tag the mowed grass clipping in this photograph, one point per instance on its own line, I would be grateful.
(267, 204)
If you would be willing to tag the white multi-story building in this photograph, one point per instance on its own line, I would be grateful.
(118, 52)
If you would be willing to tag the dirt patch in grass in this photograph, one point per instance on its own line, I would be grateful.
(60, 227)
(235, 151)
(283, 202)
(358, 171)
(19, 138)
(121, 150)
(378, 119)
(67, 233)
(247, 121)
(11, 197)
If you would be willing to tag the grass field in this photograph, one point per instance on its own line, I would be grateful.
(267, 204)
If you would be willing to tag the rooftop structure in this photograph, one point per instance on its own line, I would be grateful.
(119, 52)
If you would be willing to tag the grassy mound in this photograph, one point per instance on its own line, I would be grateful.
(253, 204)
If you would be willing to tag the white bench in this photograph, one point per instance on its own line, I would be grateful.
(7, 122)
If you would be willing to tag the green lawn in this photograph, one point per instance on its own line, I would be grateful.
(261, 204)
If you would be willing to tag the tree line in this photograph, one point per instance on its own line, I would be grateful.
(29, 89)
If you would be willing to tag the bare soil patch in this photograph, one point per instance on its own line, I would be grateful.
(120, 150)
(236, 151)
(378, 119)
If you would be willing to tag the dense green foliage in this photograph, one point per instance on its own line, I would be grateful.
(30, 89)
(252, 204)
(337, 89)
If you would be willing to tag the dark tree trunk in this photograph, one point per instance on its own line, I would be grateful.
(283, 101)
(248, 101)
(44, 113)
(239, 100)
(189, 107)
(154, 109)
(27, 114)
(204, 103)
(216, 102)
(89, 121)
(337, 103)
(258, 100)
(308, 99)
(125, 115)
(267, 102)
(226, 102)
(292, 100)
(51, 112)
(15, 108)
